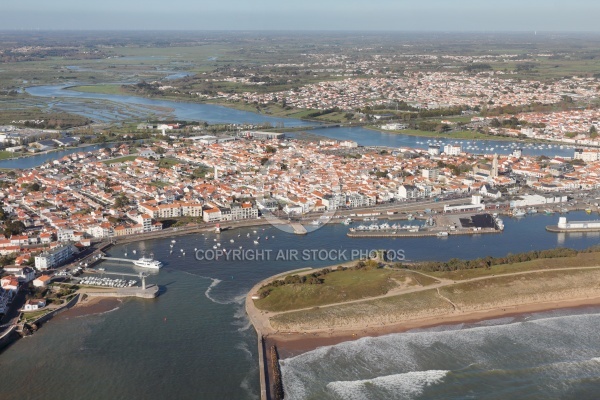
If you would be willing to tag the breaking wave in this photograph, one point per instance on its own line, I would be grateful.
(404, 386)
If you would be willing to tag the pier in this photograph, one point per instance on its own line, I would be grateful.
(298, 228)
(118, 259)
(395, 234)
(574, 226)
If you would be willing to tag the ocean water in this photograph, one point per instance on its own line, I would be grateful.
(553, 355)
(195, 342)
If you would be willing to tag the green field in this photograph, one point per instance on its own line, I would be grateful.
(7, 154)
(120, 159)
(340, 286)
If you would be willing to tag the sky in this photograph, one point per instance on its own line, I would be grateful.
(374, 15)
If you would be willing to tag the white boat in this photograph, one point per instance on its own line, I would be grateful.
(173, 241)
(231, 240)
(256, 242)
(518, 213)
(442, 234)
(134, 251)
(148, 263)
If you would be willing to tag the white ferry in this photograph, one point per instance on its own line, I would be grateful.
(148, 263)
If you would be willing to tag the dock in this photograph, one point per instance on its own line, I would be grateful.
(298, 228)
(396, 234)
(148, 292)
(556, 229)
(117, 259)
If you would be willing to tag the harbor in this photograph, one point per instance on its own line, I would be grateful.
(443, 225)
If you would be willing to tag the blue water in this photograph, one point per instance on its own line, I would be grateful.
(194, 341)
(368, 137)
(39, 159)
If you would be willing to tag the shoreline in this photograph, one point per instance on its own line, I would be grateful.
(93, 305)
(293, 344)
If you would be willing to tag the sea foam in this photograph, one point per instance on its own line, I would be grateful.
(399, 386)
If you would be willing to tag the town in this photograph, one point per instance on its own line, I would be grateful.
(52, 212)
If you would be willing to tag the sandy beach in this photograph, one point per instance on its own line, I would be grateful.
(93, 305)
(292, 344)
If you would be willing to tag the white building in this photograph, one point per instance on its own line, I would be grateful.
(563, 224)
(430, 173)
(452, 150)
(433, 150)
(54, 258)
(586, 155)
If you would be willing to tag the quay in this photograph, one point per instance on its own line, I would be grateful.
(574, 226)
(298, 228)
(395, 234)
(148, 292)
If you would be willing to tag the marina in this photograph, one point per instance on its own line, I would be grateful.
(434, 226)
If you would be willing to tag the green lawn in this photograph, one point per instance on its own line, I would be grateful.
(120, 159)
(7, 154)
(340, 286)
(168, 162)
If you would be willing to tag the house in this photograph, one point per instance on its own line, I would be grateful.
(34, 304)
(22, 272)
(408, 192)
(211, 215)
(42, 281)
(488, 191)
(10, 283)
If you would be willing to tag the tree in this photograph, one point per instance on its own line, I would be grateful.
(13, 228)
(593, 132)
(121, 201)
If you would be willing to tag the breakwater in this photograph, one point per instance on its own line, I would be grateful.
(149, 292)
(277, 389)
